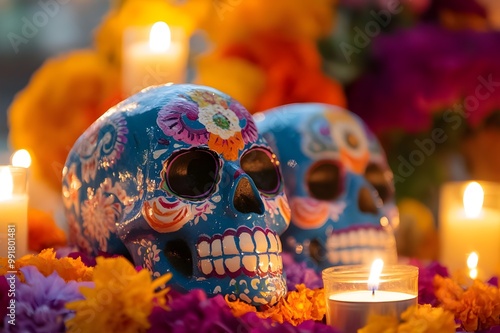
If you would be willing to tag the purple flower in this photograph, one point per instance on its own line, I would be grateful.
(298, 273)
(493, 281)
(40, 302)
(417, 6)
(194, 312)
(459, 6)
(4, 298)
(427, 69)
(425, 281)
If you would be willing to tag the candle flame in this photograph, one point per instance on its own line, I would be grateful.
(21, 158)
(6, 184)
(473, 200)
(375, 272)
(159, 37)
(472, 261)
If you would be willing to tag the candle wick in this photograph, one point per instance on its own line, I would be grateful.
(373, 291)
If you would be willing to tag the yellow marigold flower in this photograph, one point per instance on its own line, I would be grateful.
(232, 21)
(416, 319)
(131, 13)
(426, 319)
(380, 324)
(121, 300)
(46, 262)
(62, 99)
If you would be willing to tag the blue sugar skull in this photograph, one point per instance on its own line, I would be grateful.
(338, 182)
(178, 179)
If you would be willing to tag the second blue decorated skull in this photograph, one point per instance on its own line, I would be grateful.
(177, 178)
(338, 183)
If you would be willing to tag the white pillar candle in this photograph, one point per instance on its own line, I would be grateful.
(13, 212)
(469, 221)
(152, 56)
(354, 293)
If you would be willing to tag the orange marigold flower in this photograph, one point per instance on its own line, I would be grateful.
(238, 307)
(46, 262)
(43, 231)
(62, 99)
(477, 308)
(232, 21)
(296, 307)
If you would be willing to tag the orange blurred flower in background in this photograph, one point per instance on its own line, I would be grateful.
(63, 98)
(43, 231)
(267, 71)
(238, 20)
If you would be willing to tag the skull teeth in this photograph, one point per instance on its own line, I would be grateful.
(360, 245)
(252, 252)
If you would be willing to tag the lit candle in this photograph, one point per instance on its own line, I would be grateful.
(470, 222)
(13, 212)
(153, 56)
(472, 261)
(355, 292)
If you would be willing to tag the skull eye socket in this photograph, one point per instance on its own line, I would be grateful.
(375, 175)
(192, 174)
(324, 180)
(262, 166)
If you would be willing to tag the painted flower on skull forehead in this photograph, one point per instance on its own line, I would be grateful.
(207, 118)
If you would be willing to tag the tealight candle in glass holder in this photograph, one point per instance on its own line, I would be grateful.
(354, 293)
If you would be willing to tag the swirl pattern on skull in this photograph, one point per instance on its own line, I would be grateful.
(178, 179)
(338, 182)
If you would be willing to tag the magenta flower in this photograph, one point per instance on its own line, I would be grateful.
(4, 298)
(418, 72)
(194, 312)
(426, 275)
(40, 302)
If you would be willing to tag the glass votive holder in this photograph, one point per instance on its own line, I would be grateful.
(13, 212)
(350, 300)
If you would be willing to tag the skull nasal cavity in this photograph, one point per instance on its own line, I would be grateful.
(246, 200)
(366, 201)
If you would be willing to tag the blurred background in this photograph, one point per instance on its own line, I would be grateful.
(71, 28)
(423, 75)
